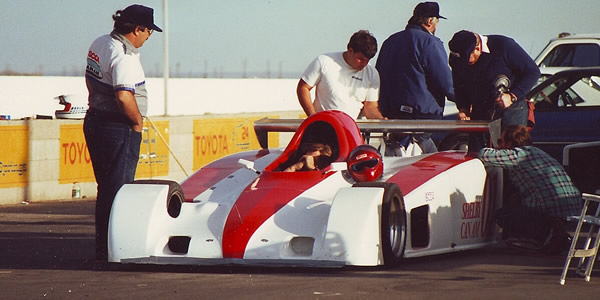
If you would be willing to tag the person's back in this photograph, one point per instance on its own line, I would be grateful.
(415, 78)
(541, 181)
(534, 215)
(409, 67)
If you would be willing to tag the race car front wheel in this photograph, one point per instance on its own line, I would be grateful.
(393, 222)
(174, 197)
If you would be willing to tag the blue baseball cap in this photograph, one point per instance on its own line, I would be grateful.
(139, 15)
(427, 9)
(462, 44)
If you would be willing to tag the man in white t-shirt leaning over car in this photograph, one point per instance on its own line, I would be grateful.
(344, 80)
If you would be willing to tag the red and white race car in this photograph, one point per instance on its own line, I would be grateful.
(361, 209)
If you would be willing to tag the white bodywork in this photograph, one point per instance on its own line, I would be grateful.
(330, 224)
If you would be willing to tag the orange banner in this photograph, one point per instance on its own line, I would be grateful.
(74, 159)
(75, 164)
(14, 156)
(216, 138)
(154, 153)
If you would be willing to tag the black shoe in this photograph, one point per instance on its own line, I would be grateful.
(524, 244)
(559, 242)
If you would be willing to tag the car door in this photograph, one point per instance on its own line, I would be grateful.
(567, 111)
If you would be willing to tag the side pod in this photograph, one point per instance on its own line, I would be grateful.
(137, 212)
(353, 230)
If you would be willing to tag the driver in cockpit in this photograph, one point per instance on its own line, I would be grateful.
(314, 156)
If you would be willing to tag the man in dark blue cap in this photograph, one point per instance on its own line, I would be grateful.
(118, 102)
(414, 72)
(491, 75)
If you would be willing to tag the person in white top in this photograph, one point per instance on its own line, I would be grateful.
(118, 102)
(344, 80)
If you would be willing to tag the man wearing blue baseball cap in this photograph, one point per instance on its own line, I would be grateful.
(491, 75)
(118, 102)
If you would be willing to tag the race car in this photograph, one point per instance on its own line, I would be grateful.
(356, 209)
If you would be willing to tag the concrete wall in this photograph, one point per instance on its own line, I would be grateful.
(40, 159)
(27, 96)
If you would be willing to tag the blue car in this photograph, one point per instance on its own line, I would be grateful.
(567, 111)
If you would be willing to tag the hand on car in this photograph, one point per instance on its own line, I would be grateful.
(463, 115)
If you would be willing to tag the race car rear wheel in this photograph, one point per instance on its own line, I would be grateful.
(393, 222)
(174, 197)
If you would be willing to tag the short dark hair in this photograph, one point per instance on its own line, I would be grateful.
(364, 42)
(121, 26)
(516, 135)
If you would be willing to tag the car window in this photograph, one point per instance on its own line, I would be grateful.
(573, 55)
(569, 98)
(567, 92)
(543, 97)
(588, 89)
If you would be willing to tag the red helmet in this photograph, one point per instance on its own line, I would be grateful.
(365, 163)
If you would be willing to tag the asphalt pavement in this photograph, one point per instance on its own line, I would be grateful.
(47, 252)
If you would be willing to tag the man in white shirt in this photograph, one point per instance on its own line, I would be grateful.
(344, 80)
(118, 102)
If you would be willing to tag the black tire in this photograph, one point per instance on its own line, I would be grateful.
(393, 222)
(174, 197)
(455, 142)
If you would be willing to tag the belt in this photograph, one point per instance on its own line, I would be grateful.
(413, 116)
(406, 109)
(107, 116)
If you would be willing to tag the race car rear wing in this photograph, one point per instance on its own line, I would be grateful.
(263, 126)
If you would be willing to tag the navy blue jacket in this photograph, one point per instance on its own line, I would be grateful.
(474, 84)
(414, 71)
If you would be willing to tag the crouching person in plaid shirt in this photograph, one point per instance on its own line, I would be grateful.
(533, 215)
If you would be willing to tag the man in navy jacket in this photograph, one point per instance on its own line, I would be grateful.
(414, 72)
(479, 63)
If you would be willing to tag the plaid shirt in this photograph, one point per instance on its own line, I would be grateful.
(542, 182)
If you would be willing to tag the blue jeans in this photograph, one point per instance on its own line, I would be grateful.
(114, 150)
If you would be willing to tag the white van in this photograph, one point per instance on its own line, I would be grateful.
(569, 50)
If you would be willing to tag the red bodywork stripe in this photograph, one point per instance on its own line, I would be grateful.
(260, 201)
(415, 175)
(214, 172)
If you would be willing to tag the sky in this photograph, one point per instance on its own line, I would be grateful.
(261, 38)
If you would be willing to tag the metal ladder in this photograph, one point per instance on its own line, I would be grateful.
(586, 254)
